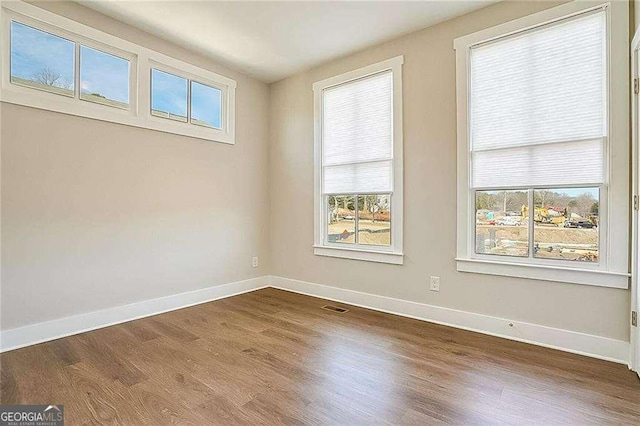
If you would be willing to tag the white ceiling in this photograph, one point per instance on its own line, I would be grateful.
(271, 40)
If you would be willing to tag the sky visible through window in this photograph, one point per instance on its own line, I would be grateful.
(205, 104)
(40, 57)
(46, 61)
(168, 94)
(104, 75)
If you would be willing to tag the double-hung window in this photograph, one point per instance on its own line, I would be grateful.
(534, 145)
(358, 198)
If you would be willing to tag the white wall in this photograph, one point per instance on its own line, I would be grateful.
(430, 192)
(96, 215)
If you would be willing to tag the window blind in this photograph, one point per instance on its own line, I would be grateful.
(357, 136)
(538, 106)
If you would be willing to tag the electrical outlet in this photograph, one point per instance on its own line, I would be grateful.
(434, 283)
(254, 262)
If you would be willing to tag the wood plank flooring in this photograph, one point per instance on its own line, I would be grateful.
(274, 357)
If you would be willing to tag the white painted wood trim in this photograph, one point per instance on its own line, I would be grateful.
(565, 340)
(358, 254)
(525, 23)
(555, 338)
(634, 346)
(594, 277)
(50, 330)
(141, 60)
(392, 63)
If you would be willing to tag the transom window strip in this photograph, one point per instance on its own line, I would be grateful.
(88, 73)
(44, 61)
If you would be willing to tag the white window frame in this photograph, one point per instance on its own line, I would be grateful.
(383, 254)
(612, 270)
(141, 61)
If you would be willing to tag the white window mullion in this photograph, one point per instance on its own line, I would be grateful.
(357, 218)
(531, 222)
(76, 76)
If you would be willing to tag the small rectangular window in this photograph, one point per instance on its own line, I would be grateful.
(168, 96)
(104, 78)
(501, 224)
(566, 224)
(41, 60)
(206, 105)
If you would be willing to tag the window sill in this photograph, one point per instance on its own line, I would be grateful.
(545, 273)
(71, 106)
(366, 255)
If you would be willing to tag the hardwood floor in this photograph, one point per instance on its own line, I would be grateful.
(274, 357)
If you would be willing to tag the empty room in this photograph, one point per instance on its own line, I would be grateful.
(319, 212)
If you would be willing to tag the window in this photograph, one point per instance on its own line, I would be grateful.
(206, 105)
(534, 137)
(566, 224)
(104, 78)
(53, 63)
(168, 96)
(42, 61)
(358, 164)
(501, 224)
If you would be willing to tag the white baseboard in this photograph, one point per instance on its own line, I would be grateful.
(42, 332)
(565, 340)
(555, 338)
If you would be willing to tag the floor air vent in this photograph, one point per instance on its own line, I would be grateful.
(335, 309)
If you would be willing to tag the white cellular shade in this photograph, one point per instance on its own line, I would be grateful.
(358, 178)
(357, 131)
(541, 87)
(568, 163)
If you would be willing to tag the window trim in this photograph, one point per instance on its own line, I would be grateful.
(392, 254)
(141, 61)
(612, 270)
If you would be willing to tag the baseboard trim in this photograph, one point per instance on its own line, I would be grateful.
(555, 338)
(564, 340)
(50, 330)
